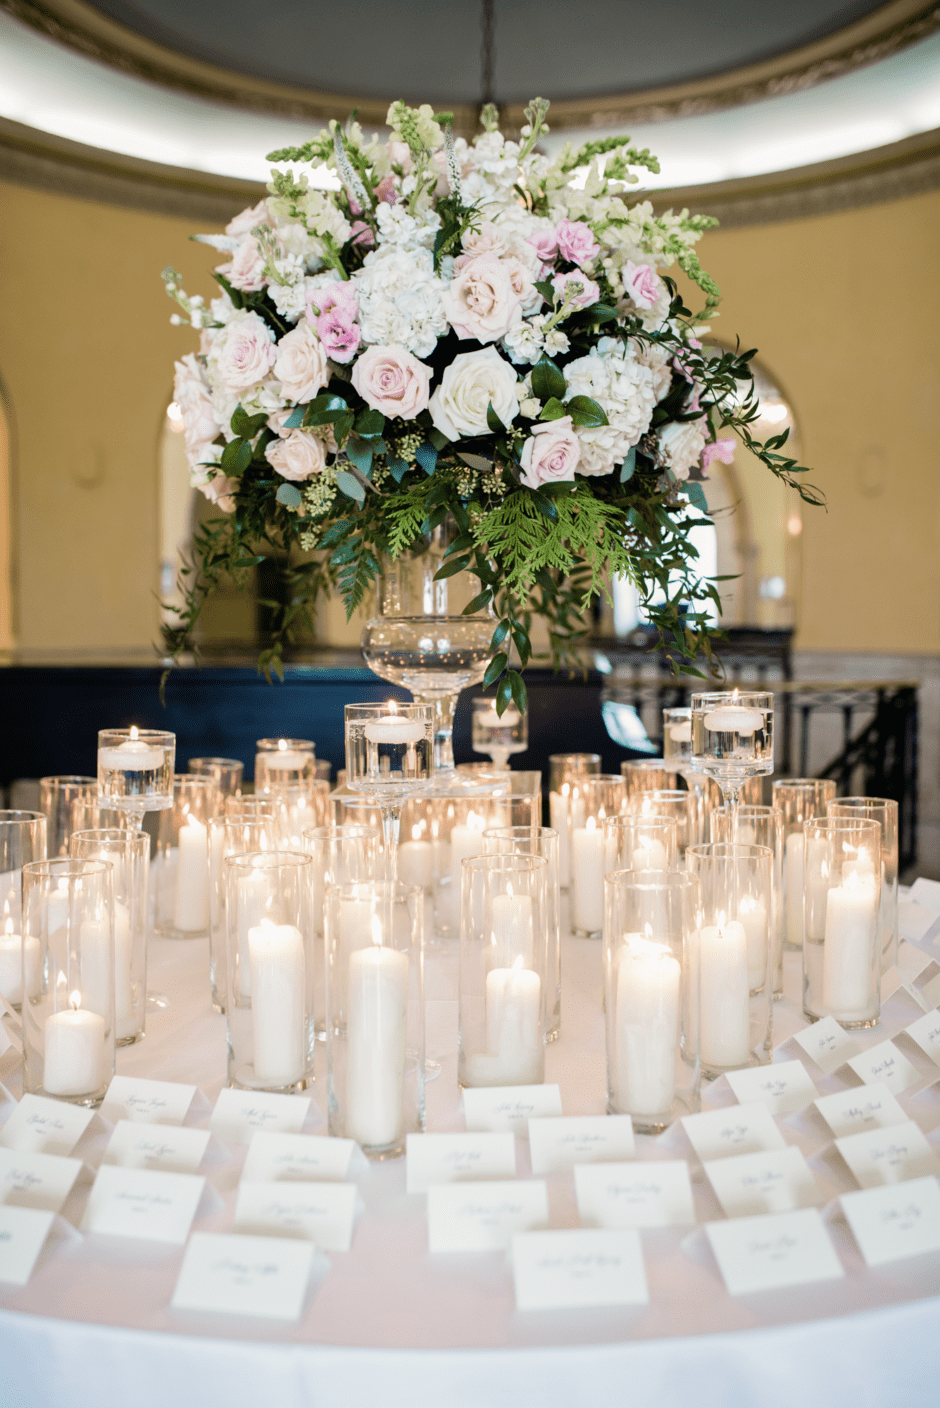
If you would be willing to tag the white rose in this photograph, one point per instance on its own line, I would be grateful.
(473, 381)
(246, 270)
(481, 301)
(301, 366)
(244, 352)
(297, 456)
(191, 394)
(680, 445)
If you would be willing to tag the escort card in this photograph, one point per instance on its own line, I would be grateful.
(827, 1044)
(783, 1087)
(263, 1276)
(29, 1180)
(132, 1202)
(137, 1145)
(739, 1129)
(483, 1217)
(894, 1222)
(239, 1113)
(849, 1111)
(320, 1212)
(297, 1158)
(509, 1108)
(45, 1126)
(884, 1064)
(751, 1184)
(569, 1269)
(23, 1233)
(779, 1249)
(458, 1158)
(888, 1155)
(568, 1140)
(634, 1195)
(926, 1033)
(150, 1101)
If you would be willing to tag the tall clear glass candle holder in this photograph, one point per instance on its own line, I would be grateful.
(389, 757)
(841, 921)
(135, 771)
(592, 800)
(87, 815)
(677, 752)
(678, 806)
(181, 871)
(677, 739)
(647, 775)
(57, 798)
(460, 819)
(499, 735)
(342, 855)
(762, 826)
(269, 1006)
(68, 1018)
(539, 841)
(22, 842)
(233, 833)
(884, 811)
(300, 808)
(375, 1014)
(128, 853)
(561, 768)
(228, 774)
(733, 738)
(633, 842)
(799, 799)
(417, 847)
(734, 955)
(651, 996)
(285, 762)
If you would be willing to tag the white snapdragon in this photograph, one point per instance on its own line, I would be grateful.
(287, 290)
(400, 299)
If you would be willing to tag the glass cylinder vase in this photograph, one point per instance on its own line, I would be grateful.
(841, 921)
(342, 855)
(181, 862)
(237, 831)
(226, 773)
(561, 768)
(800, 799)
(22, 842)
(679, 806)
(128, 853)
(592, 800)
(884, 811)
(286, 762)
(539, 841)
(760, 826)
(647, 775)
(57, 798)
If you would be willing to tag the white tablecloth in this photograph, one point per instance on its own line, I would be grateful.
(390, 1324)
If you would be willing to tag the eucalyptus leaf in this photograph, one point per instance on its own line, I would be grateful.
(397, 468)
(349, 485)
(360, 452)
(476, 462)
(629, 465)
(426, 455)
(289, 495)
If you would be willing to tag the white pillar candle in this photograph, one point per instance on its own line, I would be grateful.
(815, 887)
(97, 966)
(648, 981)
(681, 732)
(512, 930)
(849, 968)
(587, 877)
(252, 895)
(11, 966)
(734, 718)
(73, 1062)
(126, 1021)
(355, 932)
(649, 855)
(795, 889)
(278, 986)
(191, 903)
(725, 996)
(375, 1045)
(514, 1037)
(753, 915)
(558, 814)
(416, 863)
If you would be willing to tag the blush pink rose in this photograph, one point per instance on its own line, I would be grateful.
(393, 381)
(301, 363)
(297, 455)
(246, 271)
(488, 239)
(191, 394)
(722, 450)
(641, 283)
(481, 301)
(220, 491)
(545, 244)
(339, 333)
(576, 241)
(247, 220)
(246, 352)
(551, 453)
(585, 290)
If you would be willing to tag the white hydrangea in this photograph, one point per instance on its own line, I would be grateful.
(524, 342)
(612, 375)
(404, 231)
(295, 240)
(659, 361)
(400, 299)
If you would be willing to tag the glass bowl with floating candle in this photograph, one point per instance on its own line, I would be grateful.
(181, 860)
(135, 771)
(884, 811)
(287, 762)
(389, 757)
(842, 920)
(128, 853)
(499, 735)
(733, 739)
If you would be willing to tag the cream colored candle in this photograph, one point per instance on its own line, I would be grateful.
(725, 996)
(278, 981)
(850, 968)
(73, 1061)
(587, 877)
(191, 901)
(648, 984)
(375, 1045)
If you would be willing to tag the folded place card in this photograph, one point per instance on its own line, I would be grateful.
(238, 1114)
(888, 1155)
(926, 1033)
(483, 1217)
(23, 1233)
(884, 1064)
(144, 1203)
(320, 1212)
(29, 1180)
(896, 1221)
(827, 1044)
(751, 1184)
(773, 1251)
(561, 1143)
(914, 921)
(509, 1108)
(297, 1158)
(45, 1126)
(150, 1101)
(739, 1129)
(570, 1269)
(851, 1111)
(458, 1158)
(654, 1194)
(236, 1275)
(783, 1087)
(137, 1145)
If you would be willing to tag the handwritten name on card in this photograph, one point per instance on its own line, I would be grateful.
(772, 1251)
(239, 1114)
(751, 1184)
(561, 1143)
(783, 1087)
(137, 1145)
(320, 1212)
(884, 1064)
(481, 1217)
(508, 1108)
(652, 1194)
(926, 1033)
(570, 1269)
(897, 1221)
(297, 1158)
(23, 1233)
(237, 1275)
(149, 1101)
(739, 1129)
(29, 1180)
(45, 1126)
(850, 1111)
(827, 1044)
(888, 1155)
(458, 1158)
(131, 1202)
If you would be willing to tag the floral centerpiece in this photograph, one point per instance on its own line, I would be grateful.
(424, 328)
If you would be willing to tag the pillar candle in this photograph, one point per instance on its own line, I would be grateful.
(355, 932)
(514, 1037)
(648, 979)
(278, 985)
(416, 863)
(375, 1045)
(795, 889)
(512, 930)
(558, 815)
(587, 877)
(649, 855)
(74, 1052)
(752, 914)
(11, 966)
(850, 971)
(191, 904)
(97, 966)
(252, 895)
(725, 996)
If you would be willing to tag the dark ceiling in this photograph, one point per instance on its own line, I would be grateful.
(429, 50)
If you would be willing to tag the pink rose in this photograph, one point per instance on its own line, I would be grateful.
(393, 381)
(339, 333)
(722, 450)
(488, 239)
(247, 220)
(297, 456)
(641, 283)
(576, 241)
(584, 291)
(550, 454)
(481, 301)
(529, 297)
(301, 363)
(191, 394)
(545, 244)
(220, 491)
(245, 352)
(246, 271)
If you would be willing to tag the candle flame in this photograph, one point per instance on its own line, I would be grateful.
(75, 1000)
(8, 925)
(392, 706)
(518, 965)
(509, 888)
(134, 733)
(377, 931)
(747, 905)
(473, 821)
(416, 832)
(565, 789)
(590, 824)
(282, 745)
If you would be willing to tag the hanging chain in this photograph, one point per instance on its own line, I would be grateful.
(488, 55)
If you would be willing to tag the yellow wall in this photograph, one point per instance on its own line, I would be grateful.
(844, 309)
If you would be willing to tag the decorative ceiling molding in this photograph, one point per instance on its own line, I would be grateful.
(892, 27)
